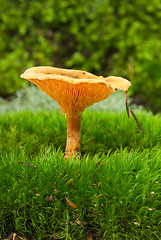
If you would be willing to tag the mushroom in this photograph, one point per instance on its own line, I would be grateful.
(74, 91)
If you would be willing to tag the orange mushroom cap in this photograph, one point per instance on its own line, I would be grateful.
(74, 90)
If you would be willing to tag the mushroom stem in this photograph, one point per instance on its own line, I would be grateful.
(73, 134)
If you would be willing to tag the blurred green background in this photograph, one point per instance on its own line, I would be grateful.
(104, 37)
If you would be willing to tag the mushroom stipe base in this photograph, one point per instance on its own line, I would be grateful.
(73, 134)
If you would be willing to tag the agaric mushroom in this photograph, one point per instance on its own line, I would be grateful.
(74, 91)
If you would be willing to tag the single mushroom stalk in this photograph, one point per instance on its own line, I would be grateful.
(73, 134)
(74, 91)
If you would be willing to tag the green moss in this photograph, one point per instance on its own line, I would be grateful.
(117, 192)
(100, 131)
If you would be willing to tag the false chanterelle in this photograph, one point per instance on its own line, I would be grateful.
(74, 91)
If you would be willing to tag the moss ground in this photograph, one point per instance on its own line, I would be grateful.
(116, 186)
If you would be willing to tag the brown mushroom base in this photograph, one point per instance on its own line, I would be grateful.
(73, 134)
